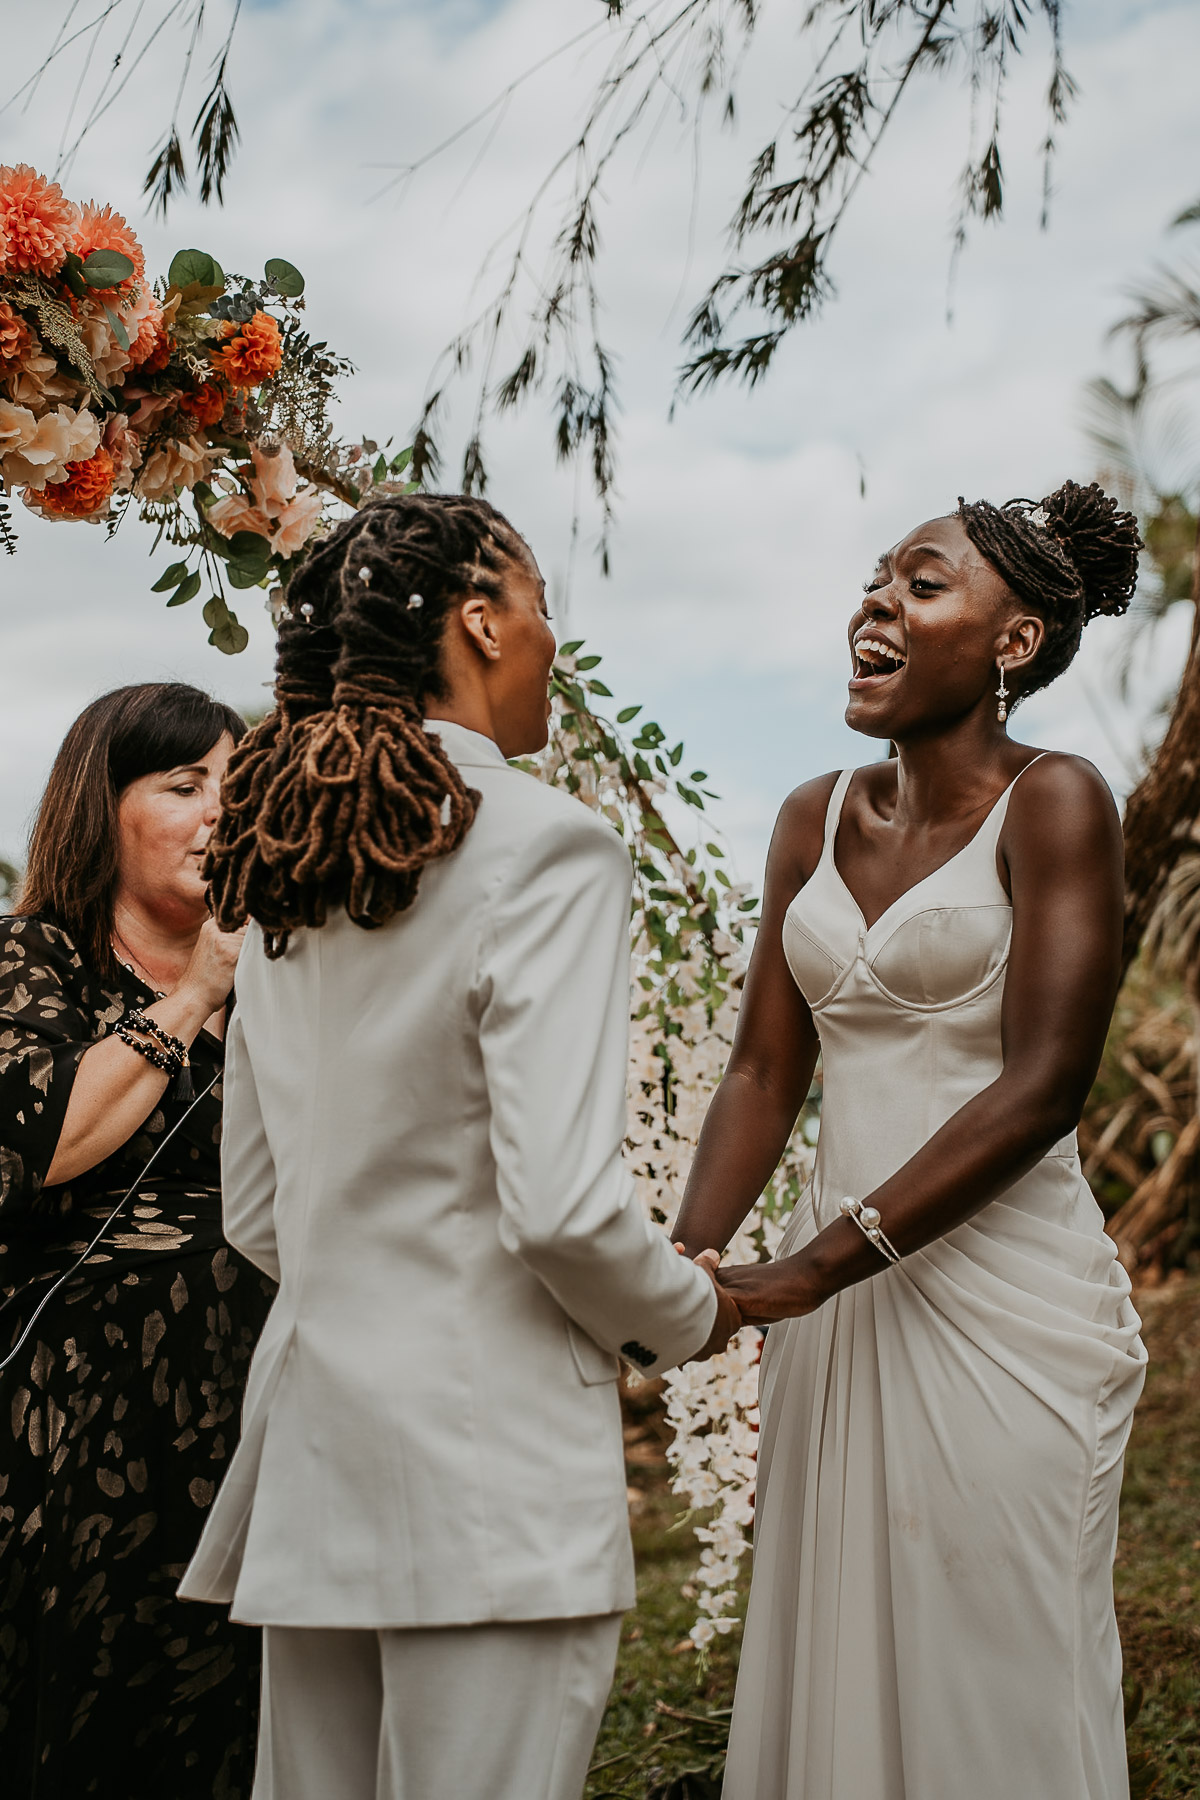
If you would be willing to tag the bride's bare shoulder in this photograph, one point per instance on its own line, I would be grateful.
(799, 833)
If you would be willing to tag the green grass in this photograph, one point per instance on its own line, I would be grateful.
(1158, 1562)
(664, 1731)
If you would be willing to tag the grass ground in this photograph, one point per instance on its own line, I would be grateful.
(665, 1727)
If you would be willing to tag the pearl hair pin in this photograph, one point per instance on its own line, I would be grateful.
(306, 612)
(870, 1224)
(364, 574)
(415, 602)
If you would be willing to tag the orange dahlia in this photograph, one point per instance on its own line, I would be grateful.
(36, 222)
(16, 339)
(148, 337)
(100, 228)
(251, 351)
(85, 490)
(206, 404)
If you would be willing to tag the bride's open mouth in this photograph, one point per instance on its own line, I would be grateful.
(875, 661)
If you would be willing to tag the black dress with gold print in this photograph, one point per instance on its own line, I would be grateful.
(117, 1420)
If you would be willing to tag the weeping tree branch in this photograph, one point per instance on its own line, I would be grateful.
(864, 57)
(856, 63)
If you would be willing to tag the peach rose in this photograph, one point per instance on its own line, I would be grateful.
(124, 446)
(179, 464)
(275, 478)
(38, 382)
(34, 450)
(297, 522)
(233, 513)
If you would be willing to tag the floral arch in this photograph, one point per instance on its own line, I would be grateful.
(201, 401)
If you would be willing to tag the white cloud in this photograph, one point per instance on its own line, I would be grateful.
(742, 537)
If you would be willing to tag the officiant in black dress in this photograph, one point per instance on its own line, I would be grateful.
(121, 1406)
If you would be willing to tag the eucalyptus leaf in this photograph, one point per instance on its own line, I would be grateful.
(72, 272)
(118, 325)
(106, 269)
(401, 461)
(246, 574)
(626, 713)
(229, 637)
(285, 278)
(571, 648)
(170, 578)
(249, 546)
(187, 591)
(588, 662)
(195, 267)
(215, 611)
(379, 472)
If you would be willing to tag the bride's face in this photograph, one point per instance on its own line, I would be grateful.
(924, 641)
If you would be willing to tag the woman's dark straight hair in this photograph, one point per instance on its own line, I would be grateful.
(71, 876)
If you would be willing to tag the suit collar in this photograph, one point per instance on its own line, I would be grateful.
(467, 748)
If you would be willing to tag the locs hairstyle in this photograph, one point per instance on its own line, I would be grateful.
(340, 797)
(71, 877)
(1068, 558)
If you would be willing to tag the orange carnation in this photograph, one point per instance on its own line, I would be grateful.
(100, 228)
(16, 339)
(85, 490)
(36, 222)
(205, 405)
(251, 352)
(146, 331)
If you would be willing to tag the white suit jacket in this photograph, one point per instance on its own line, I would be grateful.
(423, 1135)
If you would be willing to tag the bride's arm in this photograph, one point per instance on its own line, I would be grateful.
(1062, 845)
(754, 1110)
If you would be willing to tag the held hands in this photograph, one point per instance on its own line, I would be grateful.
(759, 1293)
(728, 1321)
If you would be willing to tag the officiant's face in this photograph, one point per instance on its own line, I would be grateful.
(924, 641)
(164, 822)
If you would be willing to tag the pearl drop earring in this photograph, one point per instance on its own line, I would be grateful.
(1001, 695)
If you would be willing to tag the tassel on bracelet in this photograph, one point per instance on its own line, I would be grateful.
(162, 1050)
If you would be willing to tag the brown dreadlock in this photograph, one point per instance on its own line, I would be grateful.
(340, 797)
(1068, 558)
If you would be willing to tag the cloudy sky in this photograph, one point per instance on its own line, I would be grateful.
(742, 534)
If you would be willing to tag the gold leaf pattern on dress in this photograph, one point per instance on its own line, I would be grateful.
(123, 1412)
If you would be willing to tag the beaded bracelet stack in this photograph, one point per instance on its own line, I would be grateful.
(161, 1049)
(870, 1224)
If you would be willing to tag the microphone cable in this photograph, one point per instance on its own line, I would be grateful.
(111, 1220)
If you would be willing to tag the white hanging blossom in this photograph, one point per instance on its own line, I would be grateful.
(688, 963)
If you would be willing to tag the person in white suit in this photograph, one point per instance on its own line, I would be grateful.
(424, 1116)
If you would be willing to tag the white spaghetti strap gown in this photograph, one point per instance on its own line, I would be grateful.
(931, 1615)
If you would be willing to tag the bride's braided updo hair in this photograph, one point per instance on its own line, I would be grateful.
(340, 797)
(1068, 558)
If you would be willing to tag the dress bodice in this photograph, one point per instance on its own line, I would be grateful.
(908, 1009)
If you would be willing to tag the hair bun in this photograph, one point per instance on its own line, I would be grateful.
(1101, 541)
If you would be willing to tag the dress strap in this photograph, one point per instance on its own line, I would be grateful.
(988, 835)
(833, 811)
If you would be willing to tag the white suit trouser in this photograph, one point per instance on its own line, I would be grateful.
(473, 1712)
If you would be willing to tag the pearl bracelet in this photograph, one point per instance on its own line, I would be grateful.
(870, 1224)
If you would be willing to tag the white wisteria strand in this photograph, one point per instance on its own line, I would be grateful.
(689, 957)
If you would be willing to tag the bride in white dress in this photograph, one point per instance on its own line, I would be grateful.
(953, 1359)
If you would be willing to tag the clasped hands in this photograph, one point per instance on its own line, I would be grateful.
(748, 1294)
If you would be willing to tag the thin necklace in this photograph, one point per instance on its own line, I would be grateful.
(136, 968)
